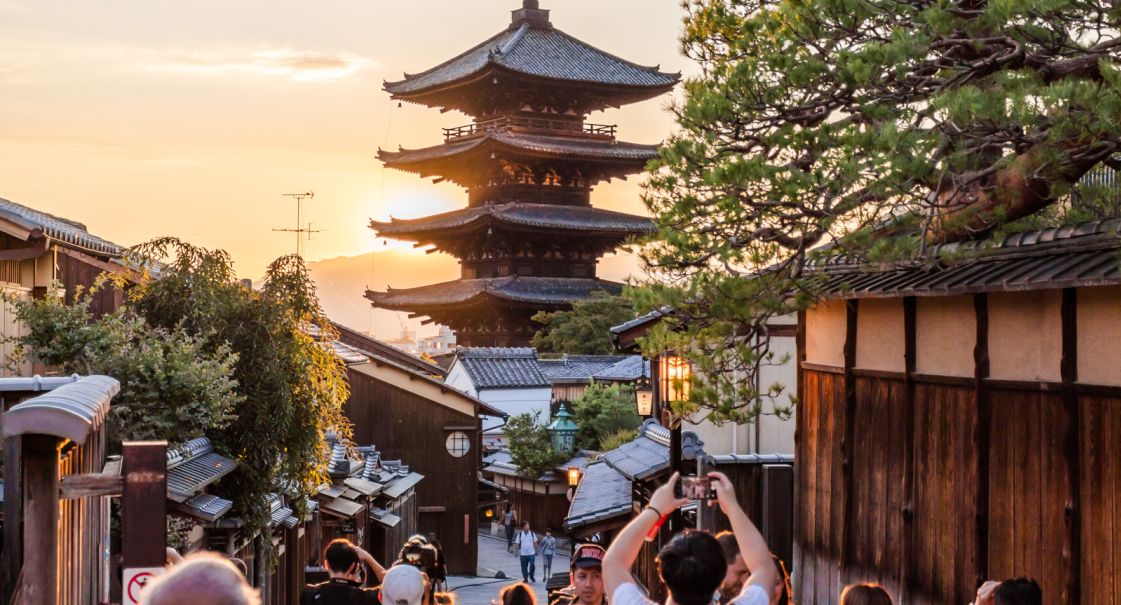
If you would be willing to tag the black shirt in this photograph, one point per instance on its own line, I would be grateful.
(338, 591)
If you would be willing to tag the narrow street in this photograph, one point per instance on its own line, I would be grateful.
(493, 558)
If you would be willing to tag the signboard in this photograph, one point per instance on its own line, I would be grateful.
(134, 580)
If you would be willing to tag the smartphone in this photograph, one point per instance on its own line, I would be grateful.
(694, 488)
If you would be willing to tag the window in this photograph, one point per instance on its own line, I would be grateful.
(458, 444)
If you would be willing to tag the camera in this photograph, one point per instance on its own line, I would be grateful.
(694, 488)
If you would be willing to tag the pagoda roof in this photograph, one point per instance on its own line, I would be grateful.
(541, 291)
(540, 51)
(547, 216)
(523, 144)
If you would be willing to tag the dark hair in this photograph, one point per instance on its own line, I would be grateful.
(865, 594)
(517, 594)
(692, 566)
(1019, 591)
(727, 542)
(340, 555)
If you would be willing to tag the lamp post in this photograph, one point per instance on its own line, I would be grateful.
(573, 476)
(672, 378)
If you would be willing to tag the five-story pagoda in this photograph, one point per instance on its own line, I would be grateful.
(529, 239)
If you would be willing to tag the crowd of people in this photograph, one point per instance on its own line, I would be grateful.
(734, 567)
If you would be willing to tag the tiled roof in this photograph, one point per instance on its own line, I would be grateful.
(203, 506)
(532, 144)
(533, 290)
(540, 52)
(372, 347)
(644, 457)
(398, 487)
(631, 367)
(566, 218)
(502, 368)
(641, 320)
(576, 368)
(70, 233)
(384, 517)
(193, 466)
(604, 493)
(1063, 257)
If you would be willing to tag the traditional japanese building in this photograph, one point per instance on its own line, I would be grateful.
(529, 239)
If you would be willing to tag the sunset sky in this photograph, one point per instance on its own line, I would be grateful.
(144, 118)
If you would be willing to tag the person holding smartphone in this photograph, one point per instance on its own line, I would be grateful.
(692, 565)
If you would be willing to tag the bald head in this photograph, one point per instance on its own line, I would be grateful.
(203, 579)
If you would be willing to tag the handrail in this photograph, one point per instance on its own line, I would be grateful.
(523, 123)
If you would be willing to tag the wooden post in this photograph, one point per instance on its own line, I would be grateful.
(40, 518)
(910, 361)
(1072, 448)
(143, 515)
(13, 520)
(981, 436)
(847, 445)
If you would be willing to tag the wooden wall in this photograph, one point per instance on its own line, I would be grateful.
(932, 484)
(543, 511)
(405, 426)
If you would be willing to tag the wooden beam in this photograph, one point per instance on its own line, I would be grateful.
(1072, 449)
(431, 509)
(981, 436)
(73, 487)
(910, 362)
(143, 507)
(12, 561)
(847, 437)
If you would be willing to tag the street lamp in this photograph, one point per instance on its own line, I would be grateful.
(563, 431)
(644, 396)
(573, 476)
(674, 372)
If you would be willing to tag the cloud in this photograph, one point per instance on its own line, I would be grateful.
(301, 66)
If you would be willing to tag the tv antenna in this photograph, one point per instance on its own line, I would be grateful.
(299, 231)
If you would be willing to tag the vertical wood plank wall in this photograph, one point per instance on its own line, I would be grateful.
(962, 479)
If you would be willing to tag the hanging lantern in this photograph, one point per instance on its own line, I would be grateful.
(674, 373)
(644, 396)
(573, 476)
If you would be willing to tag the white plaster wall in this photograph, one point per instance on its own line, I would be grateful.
(776, 436)
(1099, 335)
(1025, 335)
(825, 333)
(879, 334)
(514, 402)
(459, 380)
(945, 335)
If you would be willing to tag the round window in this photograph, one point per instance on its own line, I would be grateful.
(458, 444)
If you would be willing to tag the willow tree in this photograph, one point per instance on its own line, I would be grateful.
(868, 128)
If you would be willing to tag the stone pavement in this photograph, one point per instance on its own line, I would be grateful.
(492, 559)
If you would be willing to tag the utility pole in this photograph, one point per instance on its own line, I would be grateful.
(300, 197)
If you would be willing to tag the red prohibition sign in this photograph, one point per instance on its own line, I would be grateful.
(138, 582)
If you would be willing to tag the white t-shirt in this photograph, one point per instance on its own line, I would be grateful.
(630, 594)
(525, 541)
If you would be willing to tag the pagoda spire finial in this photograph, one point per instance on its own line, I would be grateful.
(531, 14)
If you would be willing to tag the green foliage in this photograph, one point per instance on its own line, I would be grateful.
(617, 439)
(862, 128)
(603, 411)
(172, 386)
(197, 353)
(530, 447)
(583, 330)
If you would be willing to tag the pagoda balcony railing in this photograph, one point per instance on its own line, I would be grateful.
(530, 125)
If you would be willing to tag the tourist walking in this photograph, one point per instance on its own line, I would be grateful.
(692, 565)
(509, 521)
(1017, 591)
(526, 541)
(548, 551)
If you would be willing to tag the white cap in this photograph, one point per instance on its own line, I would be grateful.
(402, 585)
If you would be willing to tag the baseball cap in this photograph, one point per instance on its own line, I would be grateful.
(402, 585)
(588, 555)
